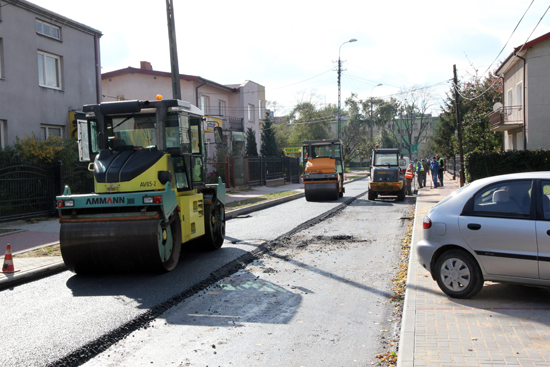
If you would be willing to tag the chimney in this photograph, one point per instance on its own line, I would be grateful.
(146, 65)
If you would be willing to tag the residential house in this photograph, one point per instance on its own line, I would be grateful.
(524, 118)
(49, 65)
(237, 106)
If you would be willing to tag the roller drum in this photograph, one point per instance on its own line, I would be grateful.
(321, 191)
(114, 246)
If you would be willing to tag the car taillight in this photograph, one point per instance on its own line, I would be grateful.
(427, 223)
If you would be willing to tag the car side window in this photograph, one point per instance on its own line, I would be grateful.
(546, 199)
(510, 199)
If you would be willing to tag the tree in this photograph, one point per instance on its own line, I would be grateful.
(354, 137)
(251, 146)
(477, 95)
(282, 134)
(310, 122)
(268, 146)
(444, 138)
(480, 95)
(412, 116)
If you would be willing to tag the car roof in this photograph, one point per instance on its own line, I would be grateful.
(541, 175)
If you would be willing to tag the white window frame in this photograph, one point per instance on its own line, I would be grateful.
(250, 112)
(519, 97)
(49, 34)
(261, 109)
(1, 59)
(221, 107)
(205, 103)
(45, 130)
(3, 133)
(47, 83)
(509, 101)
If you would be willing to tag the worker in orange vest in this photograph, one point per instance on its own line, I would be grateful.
(409, 175)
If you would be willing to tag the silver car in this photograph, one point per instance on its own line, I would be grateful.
(496, 229)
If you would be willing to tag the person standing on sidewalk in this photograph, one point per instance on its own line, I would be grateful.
(434, 168)
(420, 173)
(441, 162)
(409, 175)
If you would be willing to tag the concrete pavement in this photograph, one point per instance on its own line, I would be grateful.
(504, 325)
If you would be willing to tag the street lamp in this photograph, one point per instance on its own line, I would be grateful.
(371, 101)
(339, 72)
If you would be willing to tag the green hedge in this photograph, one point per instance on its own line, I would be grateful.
(485, 164)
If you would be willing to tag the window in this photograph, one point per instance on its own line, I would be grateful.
(2, 134)
(47, 29)
(519, 94)
(221, 106)
(49, 70)
(204, 104)
(261, 110)
(504, 199)
(519, 98)
(546, 199)
(1, 60)
(250, 113)
(509, 102)
(50, 131)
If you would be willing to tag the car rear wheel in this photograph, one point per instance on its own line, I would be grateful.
(458, 274)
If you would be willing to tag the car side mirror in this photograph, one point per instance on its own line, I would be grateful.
(218, 135)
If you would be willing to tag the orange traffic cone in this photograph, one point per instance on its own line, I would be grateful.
(8, 262)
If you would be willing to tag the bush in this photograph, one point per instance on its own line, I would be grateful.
(486, 164)
(48, 151)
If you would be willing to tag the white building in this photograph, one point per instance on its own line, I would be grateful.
(525, 115)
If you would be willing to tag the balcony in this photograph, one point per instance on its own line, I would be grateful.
(506, 118)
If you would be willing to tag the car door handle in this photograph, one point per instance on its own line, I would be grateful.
(475, 226)
(548, 232)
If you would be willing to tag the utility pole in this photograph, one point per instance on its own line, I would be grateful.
(458, 129)
(339, 73)
(174, 67)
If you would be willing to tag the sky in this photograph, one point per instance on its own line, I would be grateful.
(292, 47)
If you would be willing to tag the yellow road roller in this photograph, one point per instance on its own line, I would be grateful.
(323, 169)
(150, 193)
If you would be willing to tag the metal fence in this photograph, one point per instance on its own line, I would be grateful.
(261, 169)
(453, 166)
(254, 171)
(28, 190)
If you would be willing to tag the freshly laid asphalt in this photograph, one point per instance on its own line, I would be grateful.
(25, 236)
(504, 325)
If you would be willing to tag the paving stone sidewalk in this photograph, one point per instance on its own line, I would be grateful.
(504, 325)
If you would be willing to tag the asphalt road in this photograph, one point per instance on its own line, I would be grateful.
(66, 319)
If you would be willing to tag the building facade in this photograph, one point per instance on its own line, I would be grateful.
(238, 106)
(524, 117)
(421, 131)
(49, 65)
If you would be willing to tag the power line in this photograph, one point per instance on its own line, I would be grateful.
(516, 51)
(506, 44)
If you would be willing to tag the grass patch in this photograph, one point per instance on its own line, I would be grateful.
(7, 230)
(260, 199)
(47, 251)
(54, 250)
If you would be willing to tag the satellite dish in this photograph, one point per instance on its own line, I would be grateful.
(497, 106)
